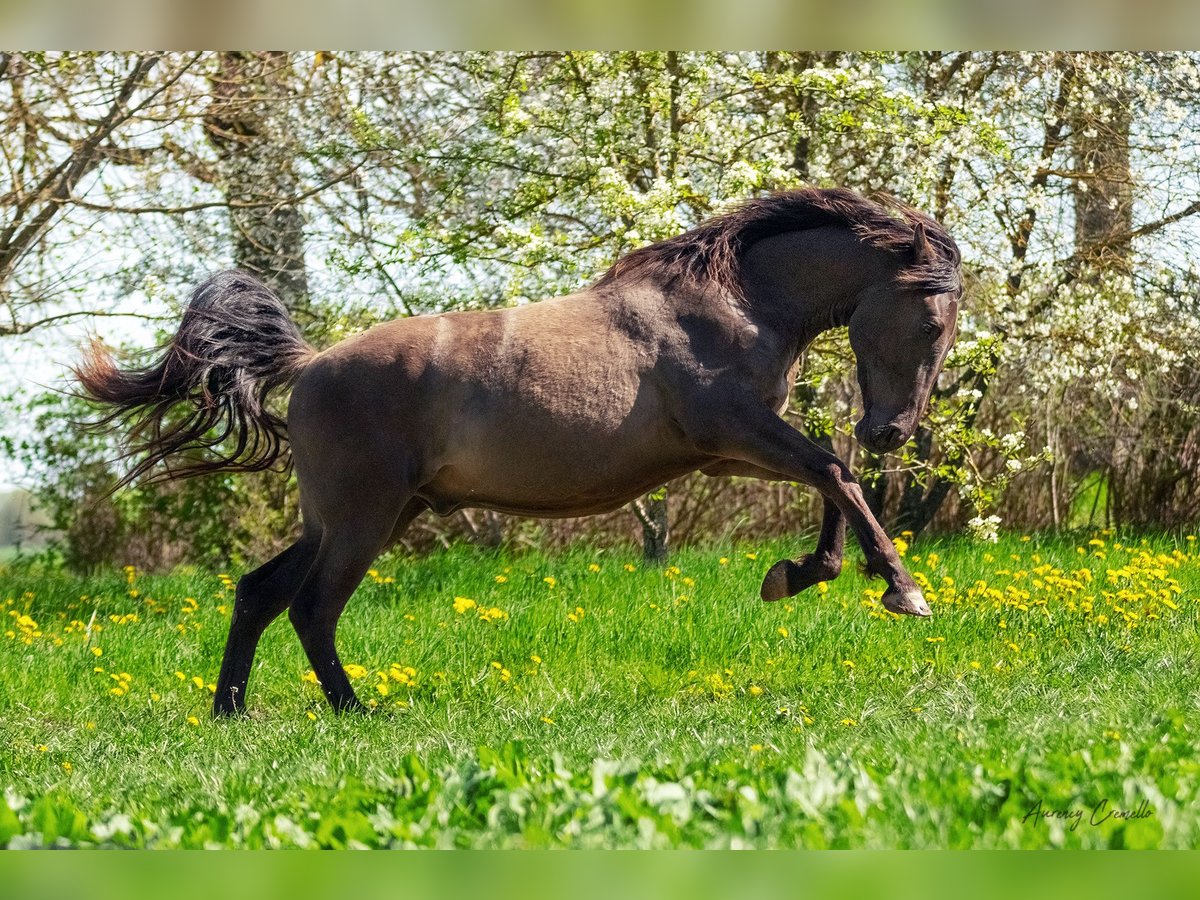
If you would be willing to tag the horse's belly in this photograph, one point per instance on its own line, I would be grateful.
(564, 486)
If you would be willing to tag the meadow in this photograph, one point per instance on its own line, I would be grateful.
(586, 700)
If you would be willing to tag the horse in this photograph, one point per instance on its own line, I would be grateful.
(681, 357)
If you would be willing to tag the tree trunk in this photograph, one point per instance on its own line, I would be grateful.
(651, 511)
(250, 93)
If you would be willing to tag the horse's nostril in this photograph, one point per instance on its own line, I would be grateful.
(885, 435)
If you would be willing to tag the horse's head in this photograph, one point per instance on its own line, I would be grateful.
(901, 335)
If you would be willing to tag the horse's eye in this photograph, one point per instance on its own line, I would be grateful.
(931, 328)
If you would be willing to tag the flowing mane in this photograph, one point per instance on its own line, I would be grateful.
(712, 251)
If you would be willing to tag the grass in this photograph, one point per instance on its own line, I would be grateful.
(582, 700)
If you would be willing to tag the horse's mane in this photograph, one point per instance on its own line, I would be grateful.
(712, 252)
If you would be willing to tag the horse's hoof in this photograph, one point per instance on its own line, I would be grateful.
(775, 583)
(908, 603)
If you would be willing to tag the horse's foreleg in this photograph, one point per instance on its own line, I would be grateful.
(787, 577)
(756, 435)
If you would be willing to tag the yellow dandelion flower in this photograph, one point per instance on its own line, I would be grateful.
(755, 691)
(192, 720)
(462, 604)
(849, 723)
(630, 567)
(312, 715)
(547, 720)
(723, 561)
(783, 632)
(756, 748)
(593, 568)
(500, 579)
(550, 580)
(848, 663)
(354, 670)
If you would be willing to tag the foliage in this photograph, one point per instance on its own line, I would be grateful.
(434, 181)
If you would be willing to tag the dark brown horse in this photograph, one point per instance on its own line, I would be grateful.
(680, 358)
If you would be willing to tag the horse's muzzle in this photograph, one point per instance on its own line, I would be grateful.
(879, 438)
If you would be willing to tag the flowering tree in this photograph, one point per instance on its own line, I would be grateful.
(366, 185)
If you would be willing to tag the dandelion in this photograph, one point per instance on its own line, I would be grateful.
(462, 604)
(501, 579)
(975, 664)
(630, 567)
(68, 768)
(850, 723)
(756, 748)
(848, 663)
(96, 651)
(354, 671)
(577, 615)
(193, 721)
(723, 561)
(492, 614)
(550, 580)
(593, 568)
(537, 660)
(548, 720)
(752, 556)
(755, 691)
(311, 715)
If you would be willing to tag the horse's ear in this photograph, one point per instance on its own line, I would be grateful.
(921, 250)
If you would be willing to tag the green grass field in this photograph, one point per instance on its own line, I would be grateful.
(582, 700)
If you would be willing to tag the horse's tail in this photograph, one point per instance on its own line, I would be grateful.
(235, 345)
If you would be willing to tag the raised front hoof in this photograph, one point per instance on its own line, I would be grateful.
(787, 578)
(775, 584)
(907, 603)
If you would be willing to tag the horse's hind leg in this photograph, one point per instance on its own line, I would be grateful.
(348, 547)
(787, 578)
(262, 595)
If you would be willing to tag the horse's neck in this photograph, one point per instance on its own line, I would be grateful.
(807, 282)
